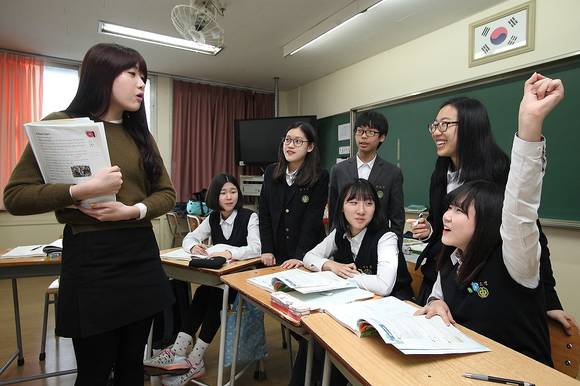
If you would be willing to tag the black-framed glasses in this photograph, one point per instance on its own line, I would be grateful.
(442, 126)
(367, 132)
(297, 141)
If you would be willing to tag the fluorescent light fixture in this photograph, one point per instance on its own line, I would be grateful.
(330, 24)
(154, 38)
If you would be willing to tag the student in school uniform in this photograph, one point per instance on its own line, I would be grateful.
(489, 272)
(228, 224)
(112, 282)
(466, 152)
(292, 199)
(371, 129)
(360, 248)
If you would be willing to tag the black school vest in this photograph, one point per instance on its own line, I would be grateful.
(239, 236)
(495, 305)
(367, 259)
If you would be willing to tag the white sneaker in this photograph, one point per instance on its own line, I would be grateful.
(197, 370)
(168, 360)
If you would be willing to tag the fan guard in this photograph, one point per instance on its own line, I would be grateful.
(197, 23)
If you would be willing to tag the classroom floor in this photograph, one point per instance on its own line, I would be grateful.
(60, 355)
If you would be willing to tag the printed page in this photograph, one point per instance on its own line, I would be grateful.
(70, 151)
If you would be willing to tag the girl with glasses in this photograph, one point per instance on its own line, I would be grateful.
(489, 270)
(466, 152)
(292, 199)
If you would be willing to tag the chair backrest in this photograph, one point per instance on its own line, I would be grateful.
(417, 277)
(172, 222)
(193, 222)
(565, 349)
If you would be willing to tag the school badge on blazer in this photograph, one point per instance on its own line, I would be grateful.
(380, 191)
(479, 288)
(305, 199)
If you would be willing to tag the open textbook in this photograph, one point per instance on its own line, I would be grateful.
(395, 322)
(70, 151)
(181, 254)
(302, 281)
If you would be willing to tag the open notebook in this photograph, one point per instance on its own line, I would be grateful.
(394, 321)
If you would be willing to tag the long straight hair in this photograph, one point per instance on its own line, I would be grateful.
(479, 156)
(99, 69)
(361, 190)
(487, 199)
(309, 171)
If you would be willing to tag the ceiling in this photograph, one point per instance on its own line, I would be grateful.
(255, 32)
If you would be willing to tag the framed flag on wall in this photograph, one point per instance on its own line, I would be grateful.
(502, 35)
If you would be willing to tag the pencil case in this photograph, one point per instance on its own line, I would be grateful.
(213, 262)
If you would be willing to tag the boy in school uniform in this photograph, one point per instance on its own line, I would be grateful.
(371, 129)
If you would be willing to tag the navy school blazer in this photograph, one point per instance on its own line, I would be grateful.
(303, 208)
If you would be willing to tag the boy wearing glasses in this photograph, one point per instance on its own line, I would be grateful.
(370, 131)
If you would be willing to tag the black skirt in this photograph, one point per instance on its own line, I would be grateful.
(109, 279)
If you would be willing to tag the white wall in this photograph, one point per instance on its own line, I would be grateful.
(433, 61)
(427, 64)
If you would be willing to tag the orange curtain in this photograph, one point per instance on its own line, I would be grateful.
(20, 102)
(203, 131)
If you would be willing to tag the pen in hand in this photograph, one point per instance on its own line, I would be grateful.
(490, 378)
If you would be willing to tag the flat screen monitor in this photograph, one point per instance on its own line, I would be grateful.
(257, 140)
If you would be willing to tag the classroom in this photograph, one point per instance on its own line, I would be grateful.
(421, 55)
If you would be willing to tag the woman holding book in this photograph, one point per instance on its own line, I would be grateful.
(292, 199)
(112, 282)
(489, 270)
(236, 229)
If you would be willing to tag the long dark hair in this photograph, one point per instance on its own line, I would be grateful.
(360, 189)
(479, 156)
(309, 171)
(487, 199)
(101, 65)
(215, 187)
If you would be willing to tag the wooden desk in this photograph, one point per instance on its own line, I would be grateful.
(369, 361)
(261, 299)
(14, 268)
(181, 270)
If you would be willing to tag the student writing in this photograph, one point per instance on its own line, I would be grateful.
(229, 224)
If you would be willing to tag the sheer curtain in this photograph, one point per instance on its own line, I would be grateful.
(20, 102)
(203, 131)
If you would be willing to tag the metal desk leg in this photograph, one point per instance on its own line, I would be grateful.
(224, 317)
(19, 353)
(309, 356)
(236, 341)
(326, 371)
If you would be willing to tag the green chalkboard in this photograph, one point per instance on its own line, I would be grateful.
(409, 145)
(328, 138)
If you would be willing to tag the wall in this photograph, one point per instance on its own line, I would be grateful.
(425, 64)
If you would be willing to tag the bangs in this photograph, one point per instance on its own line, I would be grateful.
(462, 197)
(361, 192)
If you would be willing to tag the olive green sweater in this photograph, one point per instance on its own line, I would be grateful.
(26, 192)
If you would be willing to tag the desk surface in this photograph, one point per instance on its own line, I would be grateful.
(260, 296)
(372, 362)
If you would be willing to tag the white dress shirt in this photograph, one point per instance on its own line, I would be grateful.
(453, 180)
(203, 231)
(387, 260)
(364, 169)
(520, 235)
(290, 176)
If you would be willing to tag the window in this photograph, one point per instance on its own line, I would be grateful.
(60, 86)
